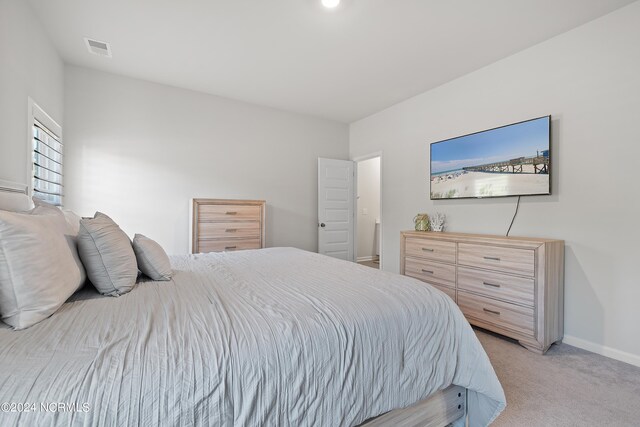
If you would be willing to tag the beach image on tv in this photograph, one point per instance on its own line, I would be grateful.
(507, 161)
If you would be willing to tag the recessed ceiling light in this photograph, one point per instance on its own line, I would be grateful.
(330, 4)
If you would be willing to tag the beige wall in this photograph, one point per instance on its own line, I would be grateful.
(29, 67)
(139, 151)
(368, 206)
(588, 79)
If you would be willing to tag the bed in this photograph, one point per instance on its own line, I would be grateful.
(270, 337)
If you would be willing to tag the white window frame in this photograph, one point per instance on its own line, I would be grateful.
(35, 112)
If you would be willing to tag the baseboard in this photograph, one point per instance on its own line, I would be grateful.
(367, 258)
(623, 356)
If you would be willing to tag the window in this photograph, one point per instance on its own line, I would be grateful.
(46, 158)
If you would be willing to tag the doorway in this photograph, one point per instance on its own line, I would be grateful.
(368, 241)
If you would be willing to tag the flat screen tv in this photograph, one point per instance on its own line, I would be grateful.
(512, 160)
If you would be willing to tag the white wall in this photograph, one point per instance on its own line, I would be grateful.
(589, 80)
(139, 151)
(368, 206)
(29, 67)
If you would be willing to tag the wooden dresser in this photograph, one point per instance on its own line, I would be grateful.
(227, 225)
(510, 285)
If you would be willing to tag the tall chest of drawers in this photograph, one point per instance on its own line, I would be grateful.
(227, 225)
(509, 285)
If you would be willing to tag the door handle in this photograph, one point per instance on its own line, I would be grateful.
(323, 225)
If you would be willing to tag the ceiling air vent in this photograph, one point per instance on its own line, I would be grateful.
(98, 48)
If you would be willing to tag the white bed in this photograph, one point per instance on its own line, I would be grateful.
(272, 337)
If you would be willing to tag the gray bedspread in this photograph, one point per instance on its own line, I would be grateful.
(273, 337)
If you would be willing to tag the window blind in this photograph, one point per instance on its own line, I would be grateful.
(47, 165)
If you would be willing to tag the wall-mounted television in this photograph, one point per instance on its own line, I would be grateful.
(512, 160)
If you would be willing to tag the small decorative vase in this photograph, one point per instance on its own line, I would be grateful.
(437, 222)
(422, 223)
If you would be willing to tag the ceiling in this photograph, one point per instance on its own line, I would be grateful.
(341, 64)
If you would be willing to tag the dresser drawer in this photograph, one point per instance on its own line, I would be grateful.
(447, 290)
(215, 230)
(498, 313)
(430, 249)
(431, 272)
(228, 212)
(508, 260)
(228, 245)
(519, 290)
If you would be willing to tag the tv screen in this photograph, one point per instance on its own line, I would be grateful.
(512, 160)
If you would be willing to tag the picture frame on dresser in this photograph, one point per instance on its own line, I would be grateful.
(223, 225)
(513, 286)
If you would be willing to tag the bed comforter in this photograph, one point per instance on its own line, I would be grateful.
(272, 337)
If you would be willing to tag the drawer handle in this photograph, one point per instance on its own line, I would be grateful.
(230, 247)
(493, 285)
(492, 258)
(497, 313)
(231, 230)
(231, 213)
(427, 271)
(427, 249)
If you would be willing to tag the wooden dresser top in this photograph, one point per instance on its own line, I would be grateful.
(478, 238)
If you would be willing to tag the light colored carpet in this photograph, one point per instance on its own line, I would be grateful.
(565, 387)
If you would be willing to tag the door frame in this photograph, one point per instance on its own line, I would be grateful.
(356, 160)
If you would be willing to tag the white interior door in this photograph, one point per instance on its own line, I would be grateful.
(336, 217)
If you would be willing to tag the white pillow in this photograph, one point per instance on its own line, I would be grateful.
(73, 221)
(15, 202)
(39, 265)
(73, 224)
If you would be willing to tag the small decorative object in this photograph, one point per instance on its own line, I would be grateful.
(421, 222)
(437, 221)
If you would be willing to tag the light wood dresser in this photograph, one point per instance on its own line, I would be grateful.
(510, 285)
(227, 225)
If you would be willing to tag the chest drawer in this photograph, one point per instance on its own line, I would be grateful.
(519, 290)
(228, 212)
(431, 272)
(431, 249)
(502, 314)
(216, 230)
(228, 245)
(508, 260)
(227, 225)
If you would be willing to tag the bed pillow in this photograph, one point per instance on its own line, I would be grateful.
(70, 231)
(152, 259)
(39, 265)
(107, 255)
(15, 202)
(73, 221)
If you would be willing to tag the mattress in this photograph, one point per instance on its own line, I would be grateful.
(271, 337)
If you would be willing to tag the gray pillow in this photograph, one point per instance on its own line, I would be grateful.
(107, 255)
(152, 259)
(39, 265)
